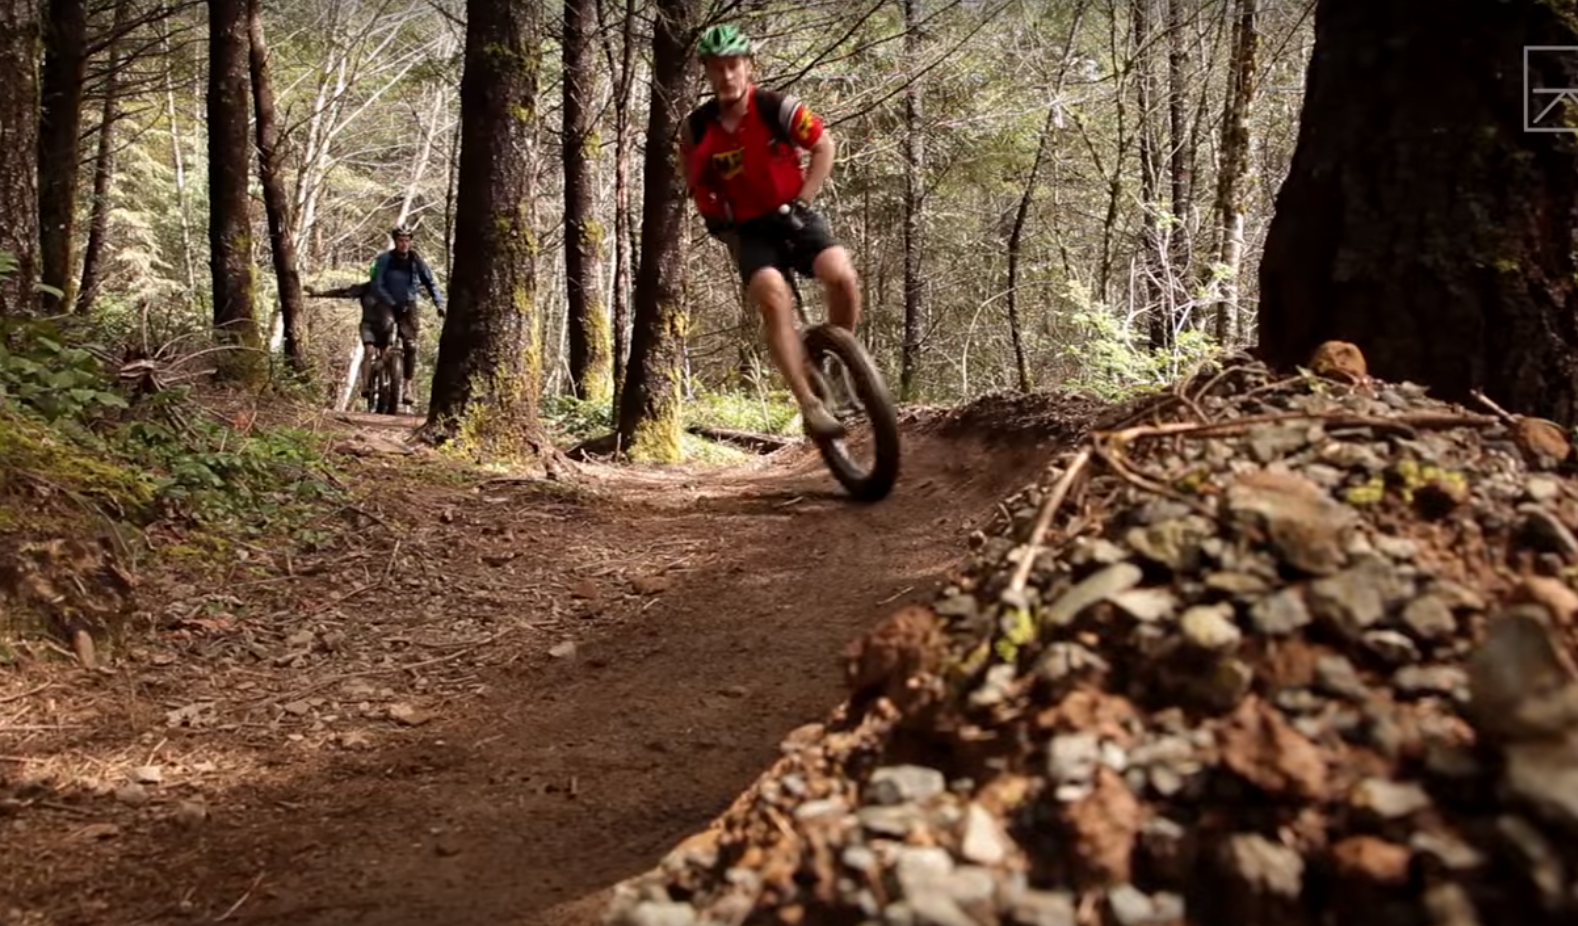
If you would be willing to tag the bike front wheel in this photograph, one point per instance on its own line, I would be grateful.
(850, 366)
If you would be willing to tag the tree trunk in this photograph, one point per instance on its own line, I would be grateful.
(914, 193)
(624, 254)
(590, 369)
(1418, 219)
(1180, 166)
(59, 126)
(1229, 206)
(103, 171)
(276, 202)
(489, 369)
(649, 408)
(229, 155)
(19, 36)
(178, 159)
(1016, 236)
(1148, 264)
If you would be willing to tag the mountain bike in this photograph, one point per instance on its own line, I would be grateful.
(845, 377)
(386, 376)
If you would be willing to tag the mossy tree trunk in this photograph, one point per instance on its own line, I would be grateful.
(19, 35)
(488, 374)
(229, 155)
(1419, 220)
(60, 126)
(276, 201)
(591, 361)
(649, 406)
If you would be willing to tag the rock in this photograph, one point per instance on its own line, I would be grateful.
(564, 650)
(1451, 853)
(660, 913)
(1280, 614)
(1545, 866)
(1072, 760)
(1429, 618)
(1544, 773)
(1174, 543)
(896, 821)
(1392, 647)
(1043, 908)
(1132, 907)
(148, 774)
(1389, 800)
(1266, 867)
(301, 640)
(132, 795)
(1370, 858)
(1520, 684)
(820, 808)
(919, 868)
(190, 814)
(1100, 586)
(298, 708)
(898, 784)
(1542, 489)
(1353, 600)
(1419, 681)
(1339, 360)
(1210, 627)
(984, 842)
(1448, 904)
(1545, 443)
(1065, 659)
(1305, 525)
(407, 714)
(651, 585)
(1262, 748)
(1146, 604)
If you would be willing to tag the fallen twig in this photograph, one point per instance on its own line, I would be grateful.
(240, 900)
(1044, 519)
(1427, 420)
(26, 694)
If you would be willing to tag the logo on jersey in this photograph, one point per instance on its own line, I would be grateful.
(804, 125)
(728, 164)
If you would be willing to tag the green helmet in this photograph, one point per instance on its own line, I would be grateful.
(722, 41)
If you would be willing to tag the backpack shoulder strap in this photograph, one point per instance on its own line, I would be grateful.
(777, 109)
(700, 117)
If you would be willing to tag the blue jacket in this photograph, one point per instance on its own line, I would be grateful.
(395, 280)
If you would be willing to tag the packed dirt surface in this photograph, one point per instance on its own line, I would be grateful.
(477, 700)
(1272, 652)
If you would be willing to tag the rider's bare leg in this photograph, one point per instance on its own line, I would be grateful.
(841, 286)
(769, 290)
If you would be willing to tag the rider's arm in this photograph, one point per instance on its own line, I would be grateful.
(378, 279)
(425, 274)
(810, 132)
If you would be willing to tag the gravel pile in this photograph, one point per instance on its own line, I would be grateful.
(1272, 651)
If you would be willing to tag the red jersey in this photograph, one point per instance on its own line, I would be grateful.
(750, 171)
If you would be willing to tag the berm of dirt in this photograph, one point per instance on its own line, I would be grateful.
(1261, 651)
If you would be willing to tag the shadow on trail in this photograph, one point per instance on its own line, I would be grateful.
(563, 776)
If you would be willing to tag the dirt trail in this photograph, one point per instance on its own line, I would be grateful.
(708, 610)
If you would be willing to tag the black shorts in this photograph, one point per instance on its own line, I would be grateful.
(379, 321)
(771, 241)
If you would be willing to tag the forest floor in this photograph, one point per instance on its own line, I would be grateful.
(484, 700)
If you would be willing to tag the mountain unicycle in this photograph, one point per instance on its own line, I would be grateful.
(845, 378)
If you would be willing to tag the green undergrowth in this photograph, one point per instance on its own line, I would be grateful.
(75, 445)
(571, 420)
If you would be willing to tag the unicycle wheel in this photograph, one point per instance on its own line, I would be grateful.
(843, 374)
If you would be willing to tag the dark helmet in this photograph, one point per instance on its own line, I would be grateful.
(400, 231)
